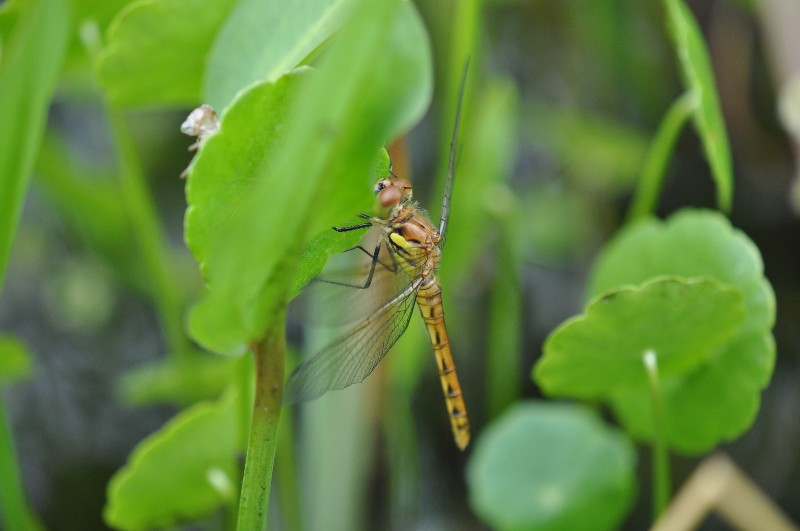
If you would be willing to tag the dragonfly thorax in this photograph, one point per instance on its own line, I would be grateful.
(414, 227)
(412, 234)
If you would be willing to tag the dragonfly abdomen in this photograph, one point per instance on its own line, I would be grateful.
(429, 300)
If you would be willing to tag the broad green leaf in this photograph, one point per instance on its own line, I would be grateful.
(184, 471)
(551, 466)
(718, 399)
(32, 52)
(374, 83)
(699, 79)
(233, 152)
(601, 352)
(15, 361)
(220, 177)
(716, 402)
(264, 39)
(691, 243)
(156, 51)
(316, 253)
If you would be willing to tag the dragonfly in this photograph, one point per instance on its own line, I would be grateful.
(411, 248)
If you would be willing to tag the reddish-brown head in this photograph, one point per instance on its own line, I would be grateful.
(391, 192)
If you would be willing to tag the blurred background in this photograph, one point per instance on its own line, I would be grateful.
(565, 97)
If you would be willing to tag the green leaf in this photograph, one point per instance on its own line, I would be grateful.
(156, 51)
(264, 39)
(691, 243)
(699, 79)
(318, 249)
(716, 402)
(374, 83)
(182, 472)
(718, 399)
(32, 52)
(601, 352)
(551, 466)
(233, 153)
(15, 361)
(220, 177)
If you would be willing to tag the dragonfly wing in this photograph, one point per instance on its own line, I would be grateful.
(352, 357)
(328, 301)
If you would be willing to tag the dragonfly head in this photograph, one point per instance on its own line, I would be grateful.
(390, 193)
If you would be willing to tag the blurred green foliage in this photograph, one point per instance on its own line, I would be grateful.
(571, 112)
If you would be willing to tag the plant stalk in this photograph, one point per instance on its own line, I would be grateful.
(655, 163)
(285, 472)
(661, 472)
(268, 357)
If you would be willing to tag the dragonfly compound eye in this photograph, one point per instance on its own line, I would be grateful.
(390, 195)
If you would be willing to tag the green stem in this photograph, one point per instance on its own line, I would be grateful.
(286, 474)
(15, 511)
(661, 473)
(655, 163)
(268, 357)
(150, 238)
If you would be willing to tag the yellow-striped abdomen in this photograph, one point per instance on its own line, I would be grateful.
(429, 300)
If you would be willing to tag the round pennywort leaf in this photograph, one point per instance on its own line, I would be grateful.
(601, 352)
(551, 466)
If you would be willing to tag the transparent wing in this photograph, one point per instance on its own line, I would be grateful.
(335, 297)
(352, 357)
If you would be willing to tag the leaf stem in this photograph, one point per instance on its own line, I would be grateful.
(661, 473)
(655, 163)
(285, 471)
(150, 238)
(268, 356)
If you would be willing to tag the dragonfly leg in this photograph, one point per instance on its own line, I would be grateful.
(375, 261)
(356, 227)
(389, 267)
(352, 227)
